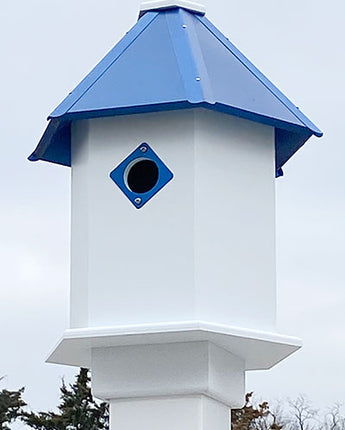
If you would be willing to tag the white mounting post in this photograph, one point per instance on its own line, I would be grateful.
(171, 413)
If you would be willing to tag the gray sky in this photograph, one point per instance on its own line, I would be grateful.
(47, 47)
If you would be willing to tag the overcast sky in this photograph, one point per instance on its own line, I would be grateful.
(47, 47)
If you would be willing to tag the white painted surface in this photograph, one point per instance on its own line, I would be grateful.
(168, 4)
(139, 263)
(259, 350)
(79, 231)
(183, 413)
(201, 250)
(234, 201)
(173, 369)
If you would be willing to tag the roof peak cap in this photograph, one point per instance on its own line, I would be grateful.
(147, 6)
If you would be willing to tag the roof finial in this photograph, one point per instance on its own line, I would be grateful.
(171, 4)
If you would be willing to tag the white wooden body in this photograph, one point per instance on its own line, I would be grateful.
(203, 249)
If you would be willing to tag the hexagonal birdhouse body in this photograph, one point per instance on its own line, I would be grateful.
(202, 249)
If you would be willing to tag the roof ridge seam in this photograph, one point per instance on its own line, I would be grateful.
(112, 62)
(199, 60)
(177, 49)
(192, 76)
(255, 73)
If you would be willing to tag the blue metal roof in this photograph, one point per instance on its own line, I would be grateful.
(176, 59)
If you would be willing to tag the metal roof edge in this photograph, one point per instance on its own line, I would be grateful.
(54, 145)
(183, 104)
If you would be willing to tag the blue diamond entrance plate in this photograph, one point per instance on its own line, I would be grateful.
(141, 175)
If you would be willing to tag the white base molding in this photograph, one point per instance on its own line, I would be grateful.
(165, 370)
(260, 350)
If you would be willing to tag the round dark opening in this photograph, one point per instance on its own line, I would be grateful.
(142, 176)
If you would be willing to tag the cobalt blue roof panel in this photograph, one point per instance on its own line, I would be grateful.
(176, 59)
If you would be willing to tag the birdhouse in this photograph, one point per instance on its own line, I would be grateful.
(174, 140)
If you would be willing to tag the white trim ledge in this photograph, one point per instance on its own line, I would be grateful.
(261, 350)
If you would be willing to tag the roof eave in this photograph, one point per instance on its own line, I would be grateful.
(55, 143)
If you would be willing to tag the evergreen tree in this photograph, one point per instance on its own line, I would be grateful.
(77, 410)
(11, 404)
